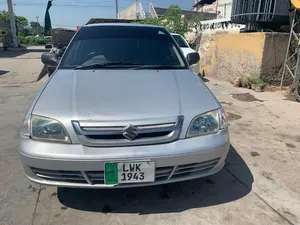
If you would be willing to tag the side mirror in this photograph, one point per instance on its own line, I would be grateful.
(49, 59)
(193, 58)
(48, 46)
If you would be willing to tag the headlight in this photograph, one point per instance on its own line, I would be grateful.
(47, 129)
(207, 123)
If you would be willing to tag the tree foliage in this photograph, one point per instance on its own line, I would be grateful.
(24, 34)
(35, 24)
(174, 21)
(153, 21)
(32, 40)
(4, 16)
(20, 20)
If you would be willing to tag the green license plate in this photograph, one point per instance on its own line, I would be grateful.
(129, 172)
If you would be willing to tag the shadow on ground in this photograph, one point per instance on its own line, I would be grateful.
(2, 72)
(205, 79)
(218, 189)
(12, 54)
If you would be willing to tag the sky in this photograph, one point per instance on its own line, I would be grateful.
(72, 13)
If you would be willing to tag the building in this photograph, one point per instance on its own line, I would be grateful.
(222, 10)
(135, 12)
(205, 6)
(187, 13)
(221, 7)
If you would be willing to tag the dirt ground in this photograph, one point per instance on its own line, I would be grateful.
(260, 183)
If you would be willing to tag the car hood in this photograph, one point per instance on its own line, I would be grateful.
(186, 51)
(114, 95)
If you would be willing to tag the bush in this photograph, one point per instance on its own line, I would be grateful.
(255, 80)
(32, 40)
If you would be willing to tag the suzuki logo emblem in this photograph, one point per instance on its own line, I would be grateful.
(130, 132)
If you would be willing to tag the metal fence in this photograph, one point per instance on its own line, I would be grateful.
(253, 12)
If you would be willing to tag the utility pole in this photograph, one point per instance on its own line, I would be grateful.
(37, 28)
(117, 8)
(12, 23)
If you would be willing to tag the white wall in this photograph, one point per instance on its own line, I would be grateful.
(223, 7)
(212, 8)
(130, 12)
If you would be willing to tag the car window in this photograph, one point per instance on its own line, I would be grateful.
(180, 41)
(128, 44)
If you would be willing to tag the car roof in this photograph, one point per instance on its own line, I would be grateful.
(122, 24)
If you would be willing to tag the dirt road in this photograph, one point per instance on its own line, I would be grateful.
(260, 183)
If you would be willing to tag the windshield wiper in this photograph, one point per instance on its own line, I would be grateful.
(159, 67)
(104, 65)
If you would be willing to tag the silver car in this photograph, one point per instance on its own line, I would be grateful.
(123, 109)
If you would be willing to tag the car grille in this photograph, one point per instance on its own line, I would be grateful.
(195, 168)
(120, 136)
(97, 177)
(112, 134)
(60, 176)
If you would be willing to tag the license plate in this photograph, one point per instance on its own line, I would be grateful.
(125, 173)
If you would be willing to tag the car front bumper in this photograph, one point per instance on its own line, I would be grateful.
(68, 165)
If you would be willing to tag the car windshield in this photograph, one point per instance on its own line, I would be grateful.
(113, 46)
(180, 41)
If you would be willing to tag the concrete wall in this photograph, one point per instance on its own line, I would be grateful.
(207, 46)
(244, 54)
(273, 58)
(238, 55)
(129, 13)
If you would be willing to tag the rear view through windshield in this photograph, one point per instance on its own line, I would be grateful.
(127, 44)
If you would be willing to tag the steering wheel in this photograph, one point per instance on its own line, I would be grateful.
(91, 55)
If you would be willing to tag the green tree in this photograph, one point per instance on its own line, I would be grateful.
(153, 21)
(195, 23)
(175, 22)
(4, 17)
(35, 24)
(21, 21)
(25, 33)
(36, 28)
